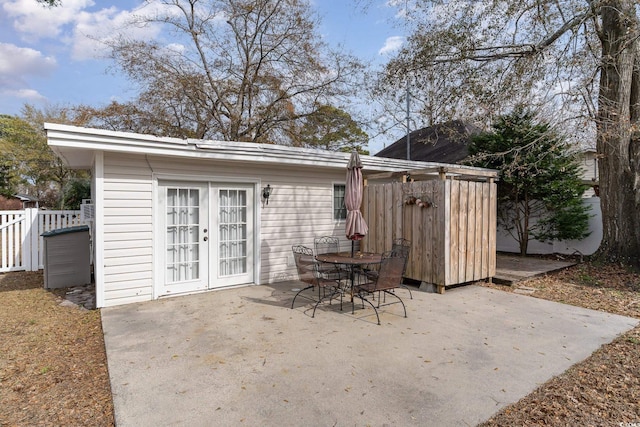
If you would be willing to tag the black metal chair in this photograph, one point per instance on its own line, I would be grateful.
(309, 273)
(327, 245)
(403, 247)
(387, 279)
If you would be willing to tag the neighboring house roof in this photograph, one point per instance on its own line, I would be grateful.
(9, 203)
(77, 146)
(25, 198)
(445, 143)
(28, 201)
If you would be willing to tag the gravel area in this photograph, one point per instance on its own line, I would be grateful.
(53, 367)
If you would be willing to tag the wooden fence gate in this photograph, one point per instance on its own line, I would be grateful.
(21, 243)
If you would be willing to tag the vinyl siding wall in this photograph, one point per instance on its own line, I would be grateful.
(300, 208)
(128, 230)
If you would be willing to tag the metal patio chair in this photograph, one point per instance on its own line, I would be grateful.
(308, 272)
(326, 245)
(386, 281)
(403, 247)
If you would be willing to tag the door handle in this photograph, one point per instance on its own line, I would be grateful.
(205, 238)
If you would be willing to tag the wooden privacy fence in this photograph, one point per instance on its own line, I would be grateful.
(21, 243)
(451, 224)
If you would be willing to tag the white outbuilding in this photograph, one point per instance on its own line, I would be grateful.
(177, 216)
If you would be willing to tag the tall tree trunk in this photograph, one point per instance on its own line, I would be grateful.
(617, 137)
(526, 217)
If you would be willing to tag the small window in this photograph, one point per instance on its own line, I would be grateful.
(339, 211)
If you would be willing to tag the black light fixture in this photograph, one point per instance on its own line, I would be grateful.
(266, 192)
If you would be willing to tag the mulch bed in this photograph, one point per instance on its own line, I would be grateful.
(53, 368)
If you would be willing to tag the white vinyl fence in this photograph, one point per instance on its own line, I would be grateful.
(21, 243)
(587, 246)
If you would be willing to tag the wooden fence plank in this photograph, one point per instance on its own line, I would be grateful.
(437, 213)
(462, 233)
(418, 227)
(388, 217)
(493, 222)
(471, 232)
(454, 238)
(407, 232)
(486, 215)
(397, 209)
(379, 220)
(431, 265)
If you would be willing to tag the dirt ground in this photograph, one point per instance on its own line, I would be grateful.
(53, 367)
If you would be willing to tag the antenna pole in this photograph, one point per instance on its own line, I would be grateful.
(408, 128)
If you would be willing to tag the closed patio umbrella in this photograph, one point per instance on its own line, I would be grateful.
(356, 227)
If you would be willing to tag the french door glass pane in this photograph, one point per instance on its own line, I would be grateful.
(172, 197)
(183, 234)
(232, 232)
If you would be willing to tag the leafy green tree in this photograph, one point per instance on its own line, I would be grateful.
(27, 164)
(56, 175)
(26, 157)
(76, 190)
(8, 186)
(9, 176)
(333, 129)
(540, 189)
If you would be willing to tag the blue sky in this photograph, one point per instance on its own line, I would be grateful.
(46, 56)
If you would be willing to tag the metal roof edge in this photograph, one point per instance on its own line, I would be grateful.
(82, 138)
(52, 128)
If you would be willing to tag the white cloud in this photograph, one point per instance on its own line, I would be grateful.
(94, 30)
(391, 45)
(176, 47)
(17, 62)
(403, 10)
(26, 95)
(75, 25)
(34, 21)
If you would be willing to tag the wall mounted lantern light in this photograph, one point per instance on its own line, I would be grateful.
(266, 192)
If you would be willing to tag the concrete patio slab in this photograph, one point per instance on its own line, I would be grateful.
(243, 357)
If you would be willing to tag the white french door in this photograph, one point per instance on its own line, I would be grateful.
(185, 230)
(207, 236)
(232, 247)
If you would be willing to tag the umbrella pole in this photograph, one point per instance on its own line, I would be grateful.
(352, 267)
